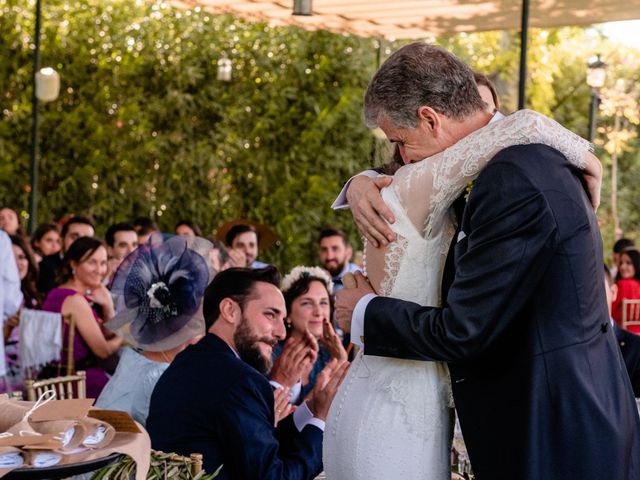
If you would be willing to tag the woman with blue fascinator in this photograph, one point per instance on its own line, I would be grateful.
(159, 289)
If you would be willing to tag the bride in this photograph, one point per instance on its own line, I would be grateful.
(392, 418)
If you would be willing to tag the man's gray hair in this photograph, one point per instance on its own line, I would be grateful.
(421, 74)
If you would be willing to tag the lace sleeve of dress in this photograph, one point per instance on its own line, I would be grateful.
(429, 187)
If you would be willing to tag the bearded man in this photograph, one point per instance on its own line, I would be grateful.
(214, 398)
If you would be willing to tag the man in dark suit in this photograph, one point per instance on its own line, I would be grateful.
(215, 400)
(535, 371)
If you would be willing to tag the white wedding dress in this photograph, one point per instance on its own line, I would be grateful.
(392, 418)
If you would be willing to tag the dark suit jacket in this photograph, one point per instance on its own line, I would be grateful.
(209, 401)
(537, 377)
(630, 348)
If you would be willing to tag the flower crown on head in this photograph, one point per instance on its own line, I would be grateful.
(301, 272)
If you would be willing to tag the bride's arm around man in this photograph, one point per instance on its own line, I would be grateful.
(538, 379)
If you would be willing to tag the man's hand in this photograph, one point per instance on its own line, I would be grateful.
(347, 298)
(593, 179)
(281, 405)
(369, 211)
(293, 362)
(238, 257)
(326, 387)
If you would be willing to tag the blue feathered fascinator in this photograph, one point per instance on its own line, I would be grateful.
(159, 289)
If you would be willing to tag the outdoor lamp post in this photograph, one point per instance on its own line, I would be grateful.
(302, 7)
(45, 89)
(596, 75)
(225, 70)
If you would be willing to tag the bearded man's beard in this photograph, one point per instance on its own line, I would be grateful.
(335, 268)
(247, 345)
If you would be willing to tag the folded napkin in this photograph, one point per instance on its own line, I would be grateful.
(10, 457)
(43, 458)
(99, 434)
(40, 338)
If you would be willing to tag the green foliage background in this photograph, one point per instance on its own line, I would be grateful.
(143, 127)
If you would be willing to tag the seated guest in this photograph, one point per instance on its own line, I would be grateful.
(215, 400)
(620, 246)
(335, 255)
(629, 342)
(188, 229)
(144, 227)
(307, 295)
(162, 313)
(219, 255)
(122, 239)
(80, 293)
(628, 284)
(27, 272)
(10, 221)
(46, 240)
(244, 238)
(74, 228)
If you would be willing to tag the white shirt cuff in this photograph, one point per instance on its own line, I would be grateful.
(303, 417)
(341, 199)
(357, 319)
(275, 384)
(294, 391)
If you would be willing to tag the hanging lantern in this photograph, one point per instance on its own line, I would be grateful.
(302, 7)
(47, 84)
(225, 70)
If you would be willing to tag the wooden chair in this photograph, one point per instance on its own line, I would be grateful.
(67, 387)
(67, 350)
(630, 313)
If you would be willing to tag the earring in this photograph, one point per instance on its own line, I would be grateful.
(73, 272)
(288, 322)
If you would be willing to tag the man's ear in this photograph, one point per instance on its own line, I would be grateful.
(229, 311)
(109, 251)
(429, 118)
(349, 252)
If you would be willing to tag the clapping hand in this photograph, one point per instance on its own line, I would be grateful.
(331, 341)
(326, 387)
(296, 360)
(282, 407)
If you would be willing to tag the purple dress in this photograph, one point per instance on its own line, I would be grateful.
(83, 357)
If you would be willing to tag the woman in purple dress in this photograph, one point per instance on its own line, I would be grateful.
(80, 293)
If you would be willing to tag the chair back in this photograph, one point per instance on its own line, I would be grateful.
(630, 313)
(67, 387)
(67, 347)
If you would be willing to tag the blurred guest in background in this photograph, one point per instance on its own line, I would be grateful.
(10, 221)
(335, 255)
(80, 293)
(46, 240)
(620, 246)
(121, 239)
(144, 227)
(244, 238)
(76, 227)
(187, 228)
(628, 284)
